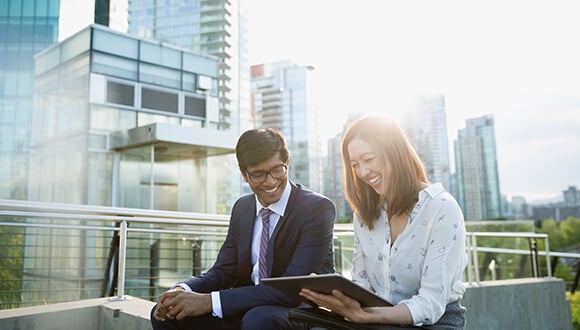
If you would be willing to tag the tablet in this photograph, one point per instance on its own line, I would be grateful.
(325, 283)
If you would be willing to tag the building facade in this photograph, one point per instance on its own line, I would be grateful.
(426, 126)
(334, 178)
(129, 120)
(284, 96)
(89, 115)
(571, 196)
(26, 28)
(215, 28)
(570, 207)
(477, 178)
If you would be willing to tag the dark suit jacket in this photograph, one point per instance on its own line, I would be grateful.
(300, 244)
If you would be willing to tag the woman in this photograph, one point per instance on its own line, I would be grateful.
(409, 234)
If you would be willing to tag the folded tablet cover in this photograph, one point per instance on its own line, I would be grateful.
(325, 283)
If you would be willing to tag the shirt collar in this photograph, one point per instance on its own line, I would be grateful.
(280, 206)
(431, 190)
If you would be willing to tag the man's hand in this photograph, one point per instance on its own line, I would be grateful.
(178, 304)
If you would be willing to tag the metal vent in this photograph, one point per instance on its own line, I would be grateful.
(195, 107)
(120, 93)
(158, 100)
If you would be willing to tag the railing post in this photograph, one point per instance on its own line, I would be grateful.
(196, 258)
(337, 254)
(469, 259)
(534, 256)
(122, 260)
(475, 258)
(548, 263)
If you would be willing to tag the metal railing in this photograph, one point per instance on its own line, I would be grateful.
(472, 268)
(60, 252)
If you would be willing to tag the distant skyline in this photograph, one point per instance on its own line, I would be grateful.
(516, 60)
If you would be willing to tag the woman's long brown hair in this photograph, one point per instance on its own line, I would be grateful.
(407, 170)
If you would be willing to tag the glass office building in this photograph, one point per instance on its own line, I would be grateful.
(213, 27)
(26, 27)
(477, 177)
(210, 27)
(426, 126)
(284, 96)
(126, 122)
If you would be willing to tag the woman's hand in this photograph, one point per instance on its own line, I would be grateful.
(337, 302)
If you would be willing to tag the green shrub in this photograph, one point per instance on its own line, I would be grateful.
(574, 300)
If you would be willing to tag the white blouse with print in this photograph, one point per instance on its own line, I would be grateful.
(423, 269)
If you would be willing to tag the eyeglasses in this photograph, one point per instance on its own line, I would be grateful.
(260, 176)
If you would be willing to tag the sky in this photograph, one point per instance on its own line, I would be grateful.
(516, 60)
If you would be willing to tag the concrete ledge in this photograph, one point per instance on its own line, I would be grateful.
(91, 314)
(534, 303)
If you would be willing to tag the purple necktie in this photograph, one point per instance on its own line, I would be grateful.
(265, 215)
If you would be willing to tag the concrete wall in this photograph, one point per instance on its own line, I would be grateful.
(535, 303)
(525, 304)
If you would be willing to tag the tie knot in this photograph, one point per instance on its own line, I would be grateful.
(265, 213)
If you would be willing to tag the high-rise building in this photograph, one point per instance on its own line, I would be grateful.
(477, 178)
(216, 27)
(334, 178)
(571, 196)
(284, 96)
(519, 208)
(426, 126)
(27, 27)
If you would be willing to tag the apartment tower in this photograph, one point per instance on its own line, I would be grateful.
(477, 177)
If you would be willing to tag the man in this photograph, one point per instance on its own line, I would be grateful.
(299, 224)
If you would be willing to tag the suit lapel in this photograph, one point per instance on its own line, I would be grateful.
(246, 231)
(287, 213)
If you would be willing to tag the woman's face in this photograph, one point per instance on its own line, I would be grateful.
(367, 165)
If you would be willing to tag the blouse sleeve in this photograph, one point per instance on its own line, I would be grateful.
(445, 260)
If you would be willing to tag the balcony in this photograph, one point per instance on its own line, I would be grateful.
(108, 265)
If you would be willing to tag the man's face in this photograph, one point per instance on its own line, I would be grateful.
(268, 180)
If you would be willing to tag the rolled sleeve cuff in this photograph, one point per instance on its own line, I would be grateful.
(415, 311)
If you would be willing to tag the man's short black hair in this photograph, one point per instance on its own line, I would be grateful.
(257, 146)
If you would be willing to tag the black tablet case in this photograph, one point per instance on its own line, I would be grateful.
(325, 283)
